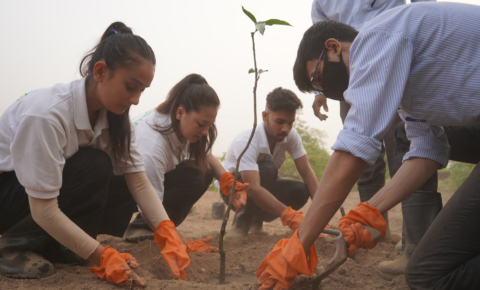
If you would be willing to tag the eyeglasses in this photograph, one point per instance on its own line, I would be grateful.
(316, 85)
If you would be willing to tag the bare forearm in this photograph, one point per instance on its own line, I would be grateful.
(342, 171)
(216, 166)
(311, 182)
(265, 200)
(307, 174)
(410, 176)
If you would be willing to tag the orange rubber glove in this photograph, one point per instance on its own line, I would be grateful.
(200, 245)
(174, 250)
(286, 261)
(117, 268)
(240, 196)
(351, 227)
(293, 219)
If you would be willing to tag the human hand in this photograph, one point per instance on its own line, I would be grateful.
(293, 219)
(174, 250)
(351, 227)
(240, 196)
(200, 245)
(286, 261)
(117, 268)
(320, 100)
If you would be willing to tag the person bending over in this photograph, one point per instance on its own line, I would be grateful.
(422, 61)
(175, 141)
(269, 196)
(59, 148)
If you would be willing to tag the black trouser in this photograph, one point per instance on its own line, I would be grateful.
(183, 187)
(289, 192)
(86, 197)
(448, 255)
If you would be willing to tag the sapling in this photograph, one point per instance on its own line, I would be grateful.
(259, 26)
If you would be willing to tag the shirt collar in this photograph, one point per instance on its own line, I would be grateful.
(264, 148)
(80, 111)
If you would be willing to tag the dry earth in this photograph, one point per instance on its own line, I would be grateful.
(243, 258)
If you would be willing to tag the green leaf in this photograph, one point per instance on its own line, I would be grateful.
(262, 71)
(250, 15)
(223, 156)
(276, 22)
(261, 27)
(251, 71)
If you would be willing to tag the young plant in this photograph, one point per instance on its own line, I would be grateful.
(259, 26)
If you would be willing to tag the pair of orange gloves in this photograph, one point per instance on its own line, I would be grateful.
(287, 259)
(117, 267)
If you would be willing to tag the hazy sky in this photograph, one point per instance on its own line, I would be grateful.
(44, 41)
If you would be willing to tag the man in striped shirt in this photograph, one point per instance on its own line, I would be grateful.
(422, 61)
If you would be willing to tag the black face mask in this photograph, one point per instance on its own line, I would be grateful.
(334, 79)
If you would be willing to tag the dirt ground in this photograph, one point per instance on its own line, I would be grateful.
(243, 258)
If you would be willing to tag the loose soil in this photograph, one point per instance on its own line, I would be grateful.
(243, 258)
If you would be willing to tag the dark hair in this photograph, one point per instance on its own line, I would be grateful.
(313, 43)
(283, 100)
(118, 47)
(191, 93)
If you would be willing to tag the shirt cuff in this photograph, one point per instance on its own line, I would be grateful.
(247, 167)
(298, 154)
(360, 146)
(122, 170)
(429, 148)
(42, 194)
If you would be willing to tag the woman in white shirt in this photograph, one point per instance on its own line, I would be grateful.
(175, 141)
(58, 147)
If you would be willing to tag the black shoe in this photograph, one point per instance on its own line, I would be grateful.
(138, 230)
(24, 264)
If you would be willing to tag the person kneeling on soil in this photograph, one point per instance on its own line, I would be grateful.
(57, 147)
(269, 196)
(183, 125)
(398, 62)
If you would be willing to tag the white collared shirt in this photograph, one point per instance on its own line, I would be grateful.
(260, 151)
(47, 126)
(160, 152)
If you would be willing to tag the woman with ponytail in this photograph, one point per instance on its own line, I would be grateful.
(59, 148)
(175, 141)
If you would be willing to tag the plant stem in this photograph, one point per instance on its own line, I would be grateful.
(227, 212)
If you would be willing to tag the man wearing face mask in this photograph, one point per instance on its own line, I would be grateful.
(421, 61)
(356, 14)
(269, 196)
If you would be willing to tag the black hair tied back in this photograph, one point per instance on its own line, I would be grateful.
(118, 47)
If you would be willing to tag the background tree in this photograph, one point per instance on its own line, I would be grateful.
(314, 143)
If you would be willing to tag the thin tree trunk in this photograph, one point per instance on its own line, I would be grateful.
(227, 212)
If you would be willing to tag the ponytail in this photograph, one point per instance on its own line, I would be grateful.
(192, 93)
(118, 47)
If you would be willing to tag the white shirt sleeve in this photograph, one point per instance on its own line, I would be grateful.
(135, 164)
(295, 148)
(37, 155)
(427, 141)
(380, 66)
(317, 13)
(249, 159)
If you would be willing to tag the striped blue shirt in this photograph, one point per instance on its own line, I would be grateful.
(423, 61)
(353, 12)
